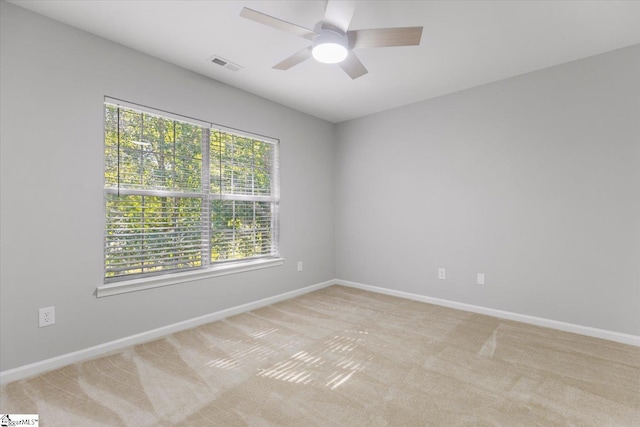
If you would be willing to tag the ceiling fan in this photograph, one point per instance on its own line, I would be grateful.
(331, 40)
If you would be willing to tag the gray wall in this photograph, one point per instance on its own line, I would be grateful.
(534, 181)
(53, 82)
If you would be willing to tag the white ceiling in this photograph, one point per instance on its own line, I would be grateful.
(464, 44)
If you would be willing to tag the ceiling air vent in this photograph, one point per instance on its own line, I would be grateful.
(224, 63)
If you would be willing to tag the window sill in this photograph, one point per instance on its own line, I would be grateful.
(189, 276)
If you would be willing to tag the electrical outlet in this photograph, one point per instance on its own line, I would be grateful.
(480, 280)
(442, 274)
(299, 265)
(46, 317)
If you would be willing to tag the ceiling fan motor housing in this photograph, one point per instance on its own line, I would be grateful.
(330, 46)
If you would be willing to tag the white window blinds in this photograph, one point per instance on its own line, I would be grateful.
(181, 194)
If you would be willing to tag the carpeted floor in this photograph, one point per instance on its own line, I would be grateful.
(346, 357)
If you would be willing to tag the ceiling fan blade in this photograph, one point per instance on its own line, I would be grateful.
(294, 59)
(276, 23)
(338, 14)
(385, 37)
(353, 66)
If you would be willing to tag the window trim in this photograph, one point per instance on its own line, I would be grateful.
(173, 278)
(124, 285)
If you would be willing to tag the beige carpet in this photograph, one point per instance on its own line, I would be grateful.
(345, 357)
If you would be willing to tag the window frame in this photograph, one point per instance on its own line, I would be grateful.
(135, 282)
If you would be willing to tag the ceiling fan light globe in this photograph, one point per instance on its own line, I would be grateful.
(329, 53)
(329, 46)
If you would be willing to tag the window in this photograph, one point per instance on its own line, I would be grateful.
(182, 195)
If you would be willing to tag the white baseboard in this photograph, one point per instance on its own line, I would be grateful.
(36, 368)
(538, 321)
(102, 349)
